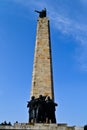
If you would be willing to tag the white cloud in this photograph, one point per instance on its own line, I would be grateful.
(78, 31)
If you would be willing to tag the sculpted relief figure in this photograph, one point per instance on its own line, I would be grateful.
(32, 109)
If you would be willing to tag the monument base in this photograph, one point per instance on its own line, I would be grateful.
(41, 126)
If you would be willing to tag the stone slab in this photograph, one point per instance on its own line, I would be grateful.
(41, 126)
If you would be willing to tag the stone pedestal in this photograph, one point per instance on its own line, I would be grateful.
(27, 126)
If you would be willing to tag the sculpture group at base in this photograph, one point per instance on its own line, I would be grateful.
(41, 110)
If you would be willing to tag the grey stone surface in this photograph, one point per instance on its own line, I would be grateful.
(79, 128)
(40, 126)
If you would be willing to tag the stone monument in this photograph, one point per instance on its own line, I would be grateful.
(42, 91)
(42, 106)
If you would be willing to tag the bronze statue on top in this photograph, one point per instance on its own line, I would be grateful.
(42, 13)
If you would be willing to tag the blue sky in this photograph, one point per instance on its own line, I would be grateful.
(68, 27)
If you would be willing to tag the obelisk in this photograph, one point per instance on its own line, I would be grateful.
(42, 76)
